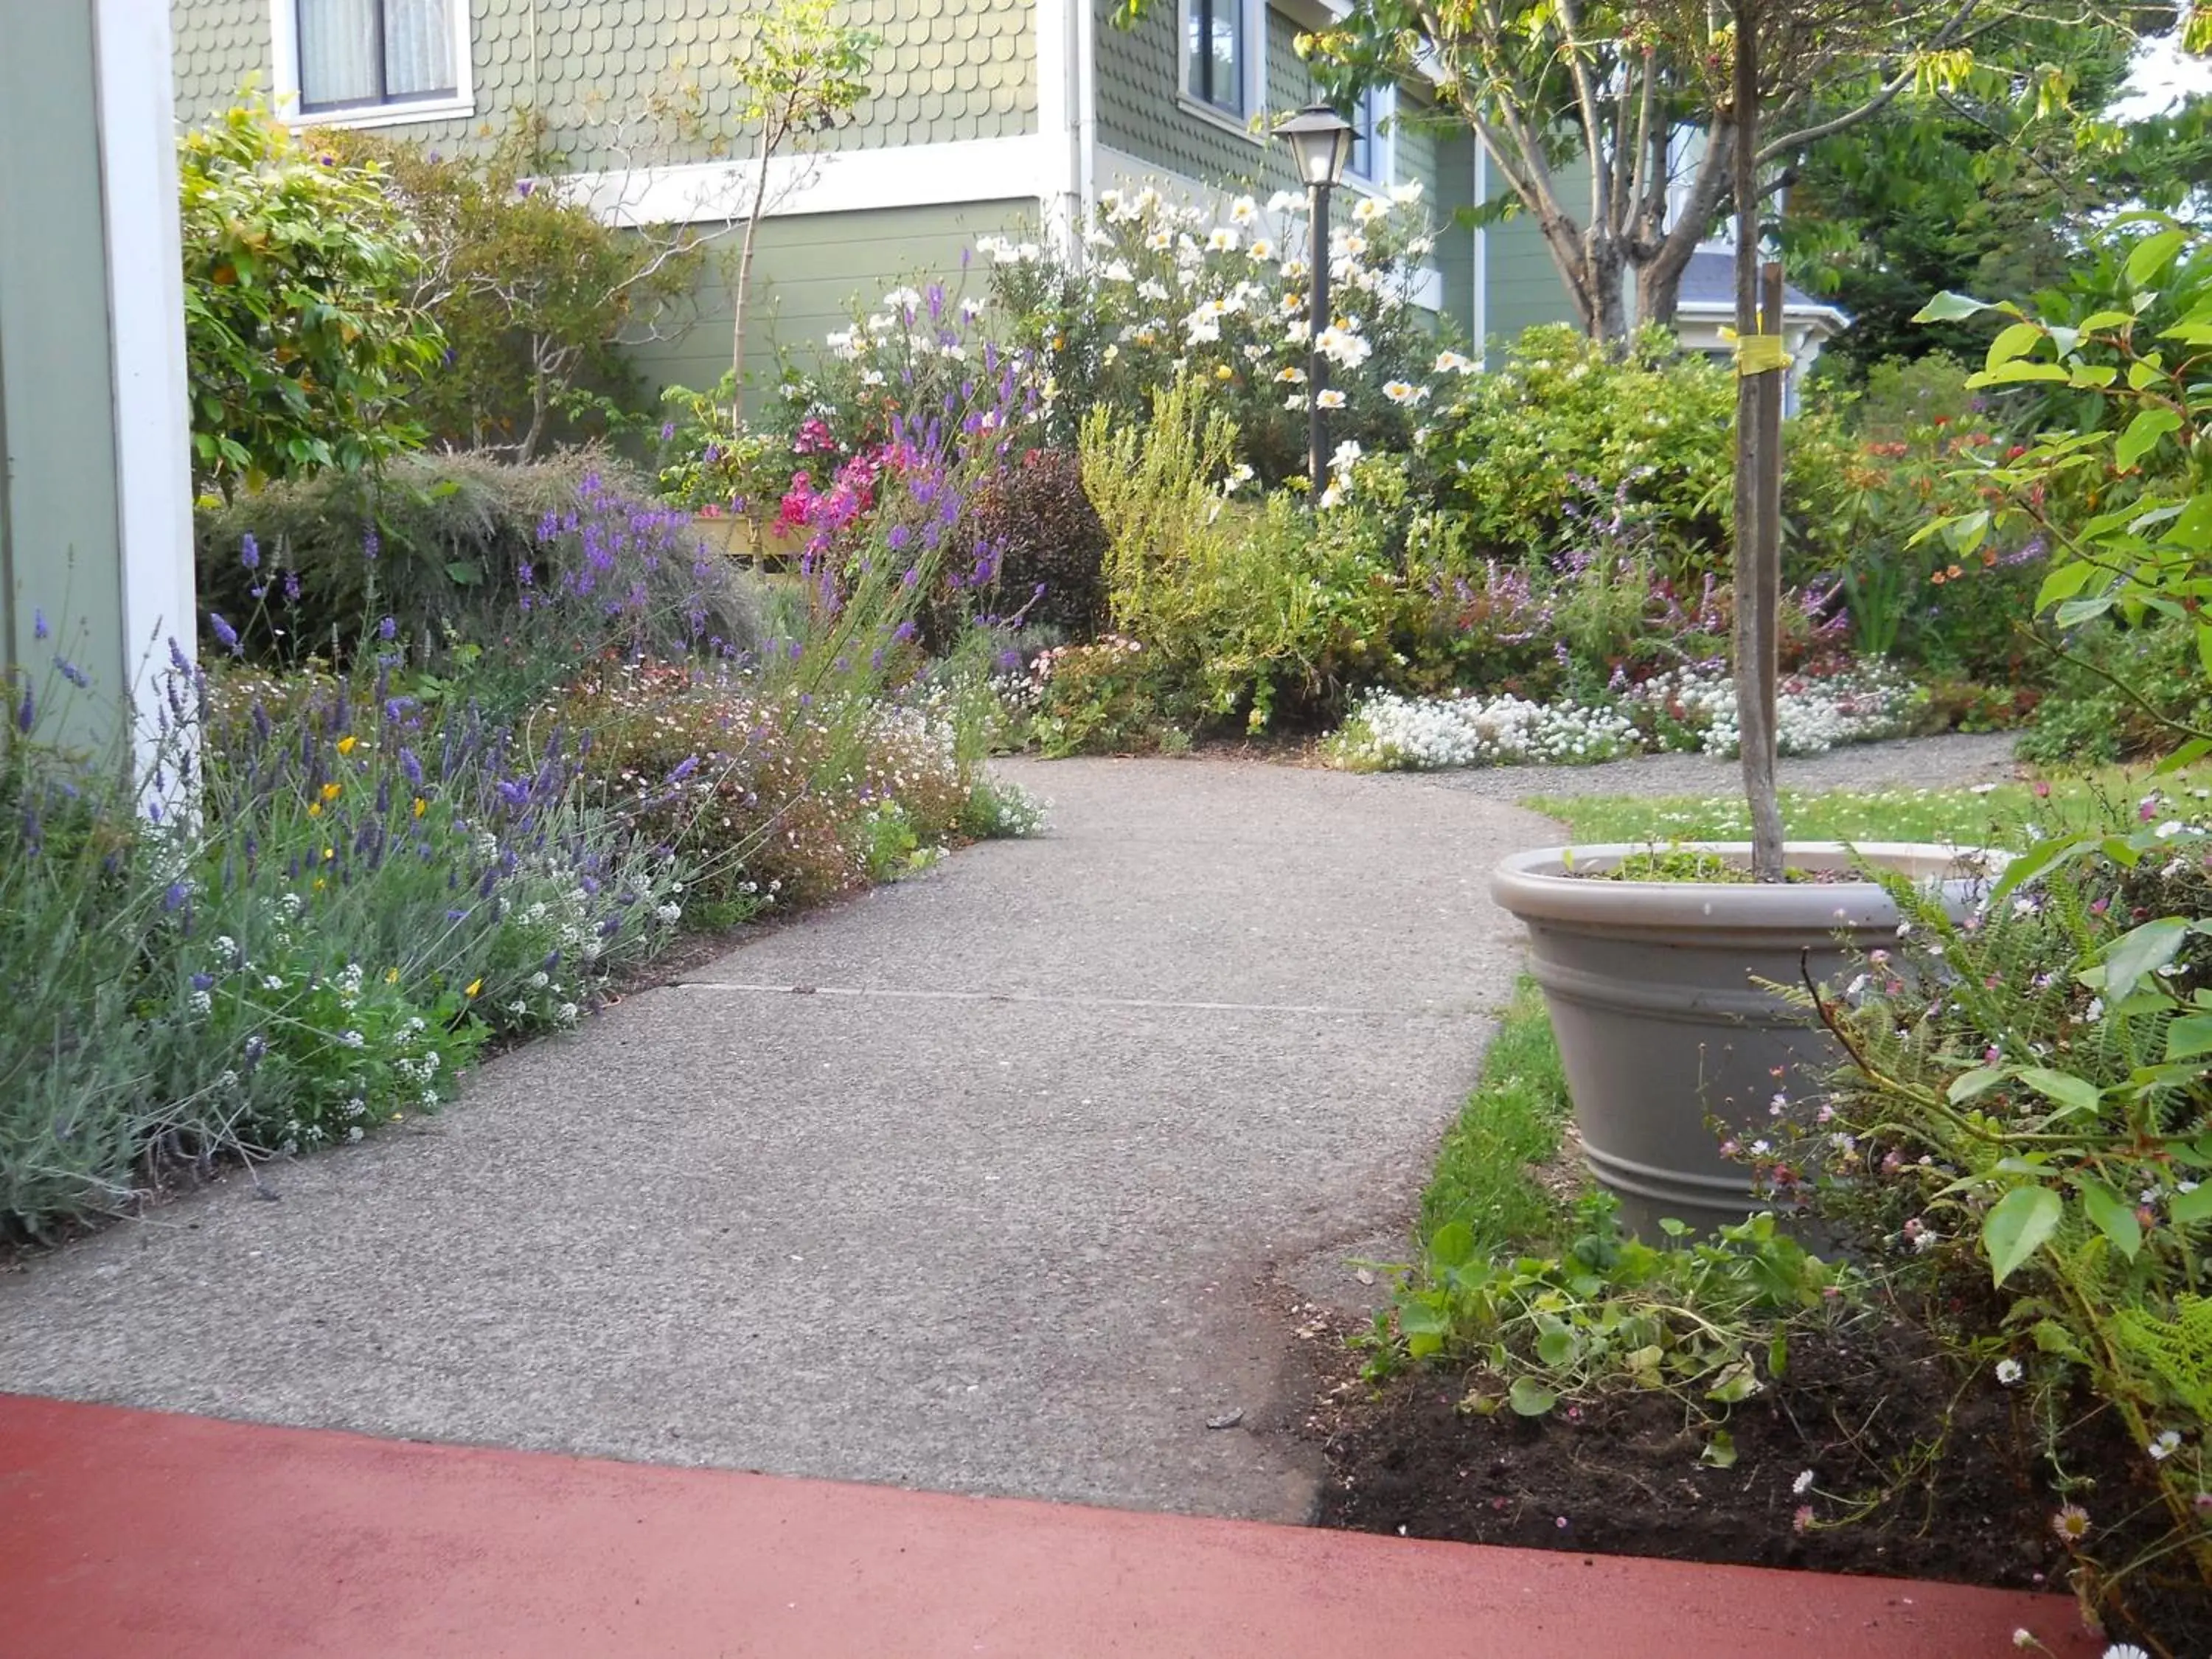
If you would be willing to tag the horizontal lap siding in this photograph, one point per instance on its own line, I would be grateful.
(810, 272)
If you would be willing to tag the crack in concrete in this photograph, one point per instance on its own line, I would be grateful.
(1044, 999)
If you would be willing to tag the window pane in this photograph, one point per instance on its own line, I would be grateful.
(1228, 87)
(418, 48)
(337, 52)
(1193, 56)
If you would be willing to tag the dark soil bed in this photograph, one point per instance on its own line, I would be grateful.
(1624, 1476)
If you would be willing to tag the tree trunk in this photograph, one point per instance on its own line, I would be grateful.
(745, 279)
(1757, 453)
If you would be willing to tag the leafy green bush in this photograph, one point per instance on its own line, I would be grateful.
(1565, 418)
(533, 567)
(2021, 1137)
(530, 289)
(305, 337)
(2125, 694)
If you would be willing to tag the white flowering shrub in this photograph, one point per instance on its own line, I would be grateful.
(1167, 289)
(1814, 713)
(1390, 733)
(1687, 709)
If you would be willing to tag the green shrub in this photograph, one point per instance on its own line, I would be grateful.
(303, 332)
(2020, 1140)
(1565, 418)
(530, 288)
(534, 567)
(2096, 711)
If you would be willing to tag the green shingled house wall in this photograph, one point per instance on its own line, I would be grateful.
(947, 71)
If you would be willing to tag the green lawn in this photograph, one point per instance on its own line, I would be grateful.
(2001, 816)
(1513, 1120)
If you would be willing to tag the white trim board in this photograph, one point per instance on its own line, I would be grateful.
(1030, 166)
(136, 115)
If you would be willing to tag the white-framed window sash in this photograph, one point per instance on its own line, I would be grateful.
(1221, 62)
(371, 63)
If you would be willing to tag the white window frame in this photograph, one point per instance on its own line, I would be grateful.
(1254, 16)
(1382, 143)
(284, 39)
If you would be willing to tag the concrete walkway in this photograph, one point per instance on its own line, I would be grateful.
(123, 1534)
(984, 1183)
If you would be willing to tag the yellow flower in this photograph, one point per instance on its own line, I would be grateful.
(329, 853)
(421, 806)
(1223, 372)
(332, 791)
(318, 884)
(314, 809)
(475, 986)
(346, 743)
(391, 976)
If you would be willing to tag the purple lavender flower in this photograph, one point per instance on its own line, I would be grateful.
(257, 1049)
(173, 896)
(684, 768)
(292, 586)
(27, 712)
(249, 552)
(387, 629)
(225, 632)
(75, 676)
(371, 545)
(202, 982)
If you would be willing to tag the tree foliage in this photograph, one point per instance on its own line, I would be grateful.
(1972, 191)
(533, 292)
(1609, 122)
(303, 327)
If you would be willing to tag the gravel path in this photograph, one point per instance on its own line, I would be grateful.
(992, 1181)
(1950, 762)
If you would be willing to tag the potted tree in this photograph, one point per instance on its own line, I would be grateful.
(1662, 991)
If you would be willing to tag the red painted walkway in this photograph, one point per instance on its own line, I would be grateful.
(127, 1533)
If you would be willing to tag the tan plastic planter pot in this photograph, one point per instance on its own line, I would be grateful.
(1654, 992)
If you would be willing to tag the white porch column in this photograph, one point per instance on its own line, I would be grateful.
(95, 502)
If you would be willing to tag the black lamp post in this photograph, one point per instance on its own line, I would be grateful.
(1320, 143)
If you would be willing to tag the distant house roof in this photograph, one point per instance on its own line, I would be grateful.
(1708, 288)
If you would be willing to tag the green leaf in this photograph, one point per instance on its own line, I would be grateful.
(1948, 307)
(2191, 1206)
(1529, 1397)
(2141, 951)
(464, 572)
(1777, 1352)
(1964, 533)
(2052, 1337)
(2014, 372)
(2016, 1227)
(2152, 255)
(1720, 1450)
(2075, 1094)
(2188, 1037)
(2142, 435)
(2013, 340)
(1556, 1345)
(2092, 377)
(2112, 1217)
(2063, 583)
(1452, 1245)
(1967, 1085)
(2075, 612)
(1737, 1381)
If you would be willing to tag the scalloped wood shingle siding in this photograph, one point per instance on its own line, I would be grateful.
(946, 69)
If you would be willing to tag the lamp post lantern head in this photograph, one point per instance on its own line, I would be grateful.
(1320, 143)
